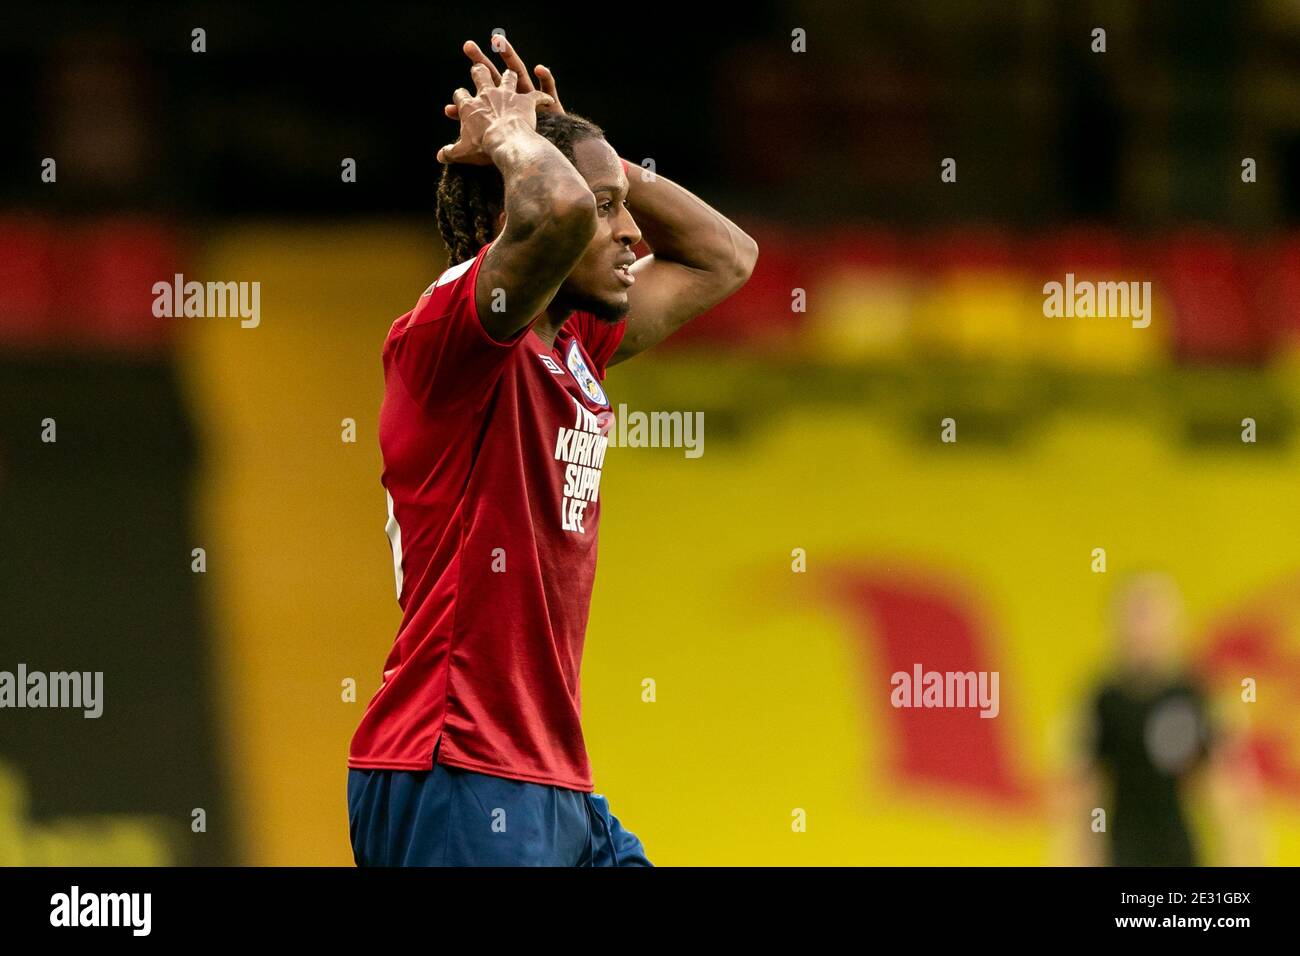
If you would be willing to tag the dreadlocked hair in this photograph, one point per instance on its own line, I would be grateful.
(471, 197)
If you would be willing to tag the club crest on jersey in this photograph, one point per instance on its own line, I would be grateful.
(582, 375)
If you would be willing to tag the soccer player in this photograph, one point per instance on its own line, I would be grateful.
(494, 429)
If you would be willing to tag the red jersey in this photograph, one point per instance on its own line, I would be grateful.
(492, 463)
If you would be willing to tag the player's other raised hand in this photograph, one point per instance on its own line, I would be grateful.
(545, 78)
(492, 105)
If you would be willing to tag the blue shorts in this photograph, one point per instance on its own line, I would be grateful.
(452, 817)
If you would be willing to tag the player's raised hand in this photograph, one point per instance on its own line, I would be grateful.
(492, 103)
(545, 78)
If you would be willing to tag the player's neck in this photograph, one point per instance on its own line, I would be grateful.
(548, 324)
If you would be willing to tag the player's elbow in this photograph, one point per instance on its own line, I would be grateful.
(748, 256)
(741, 262)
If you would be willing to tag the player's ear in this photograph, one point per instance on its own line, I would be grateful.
(500, 223)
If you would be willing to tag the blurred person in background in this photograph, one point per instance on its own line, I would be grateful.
(1151, 740)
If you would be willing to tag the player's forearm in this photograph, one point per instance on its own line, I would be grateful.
(681, 227)
(542, 189)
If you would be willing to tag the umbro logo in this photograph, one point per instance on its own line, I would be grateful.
(552, 366)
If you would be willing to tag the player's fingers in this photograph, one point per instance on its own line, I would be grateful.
(546, 83)
(451, 111)
(513, 62)
(460, 96)
(482, 78)
(478, 56)
(541, 100)
(545, 80)
(450, 152)
(509, 81)
(455, 152)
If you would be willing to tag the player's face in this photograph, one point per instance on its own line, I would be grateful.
(599, 282)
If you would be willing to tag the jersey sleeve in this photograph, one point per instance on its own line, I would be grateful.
(443, 354)
(600, 339)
